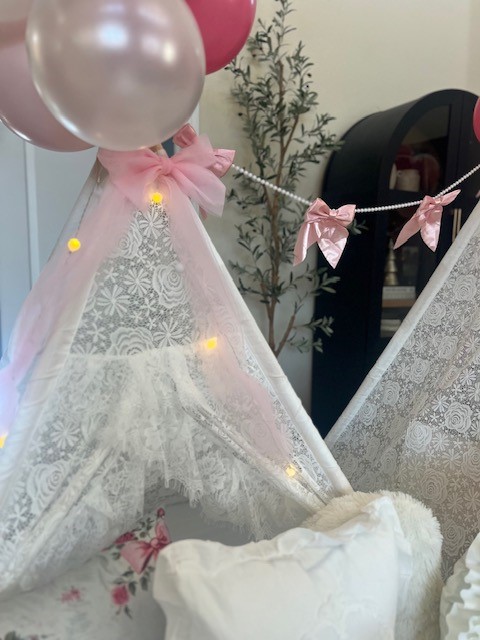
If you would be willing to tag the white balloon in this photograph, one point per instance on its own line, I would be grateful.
(13, 10)
(120, 74)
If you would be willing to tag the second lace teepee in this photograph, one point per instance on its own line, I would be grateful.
(414, 425)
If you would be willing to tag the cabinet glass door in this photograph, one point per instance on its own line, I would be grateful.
(421, 159)
(419, 169)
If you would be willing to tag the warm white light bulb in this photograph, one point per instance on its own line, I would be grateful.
(211, 343)
(157, 198)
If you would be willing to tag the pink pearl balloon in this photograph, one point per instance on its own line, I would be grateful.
(476, 119)
(225, 26)
(21, 108)
(122, 74)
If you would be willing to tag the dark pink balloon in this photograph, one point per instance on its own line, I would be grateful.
(476, 119)
(21, 108)
(225, 26)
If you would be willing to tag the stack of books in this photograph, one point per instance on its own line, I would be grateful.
(399, 293)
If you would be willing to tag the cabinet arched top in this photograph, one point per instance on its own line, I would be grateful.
(361, 169)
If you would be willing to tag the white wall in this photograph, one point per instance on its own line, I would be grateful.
(369, 55)
(473, 69)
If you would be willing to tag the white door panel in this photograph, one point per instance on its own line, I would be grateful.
(14, 245)
(37, 190)
(59, 178)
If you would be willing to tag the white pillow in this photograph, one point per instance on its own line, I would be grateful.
(418, 608)
(302, 584)
(460, 602)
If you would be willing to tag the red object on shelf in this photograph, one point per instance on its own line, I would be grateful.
(426, 164)
(429, 169)
(404, 157)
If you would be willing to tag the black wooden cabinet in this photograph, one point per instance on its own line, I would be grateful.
(391, 157)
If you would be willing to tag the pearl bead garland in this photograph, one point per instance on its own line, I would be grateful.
(269, 185)
(390, 207)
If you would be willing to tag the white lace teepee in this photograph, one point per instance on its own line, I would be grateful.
(414, 424)
(134, 366)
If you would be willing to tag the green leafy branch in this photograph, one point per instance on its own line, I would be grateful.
(272, 88)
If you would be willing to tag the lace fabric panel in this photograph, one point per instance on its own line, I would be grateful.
(417, 429)
(133, 412)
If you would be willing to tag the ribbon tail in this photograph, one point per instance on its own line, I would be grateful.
(410, 229)
(306, 237)
(332, 247)
(430, 234)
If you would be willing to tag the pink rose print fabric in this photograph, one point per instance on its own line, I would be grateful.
(106, 594)
(140, 549)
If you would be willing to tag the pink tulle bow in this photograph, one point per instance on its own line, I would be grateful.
(137, 174)
(138, 553)
(427, 219)
(223, 157)
(327, 227)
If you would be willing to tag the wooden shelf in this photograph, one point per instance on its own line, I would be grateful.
(398, 304)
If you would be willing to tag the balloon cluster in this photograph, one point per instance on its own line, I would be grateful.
(120, 74)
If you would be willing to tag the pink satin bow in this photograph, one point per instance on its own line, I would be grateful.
(427, 219)
(138, 553)
(223, 157)
(136, 174)
(327, 227)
